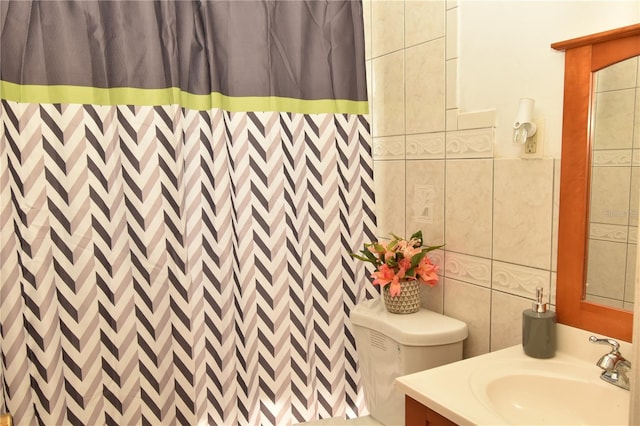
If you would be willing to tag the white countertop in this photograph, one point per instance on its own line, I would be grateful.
(452, 390)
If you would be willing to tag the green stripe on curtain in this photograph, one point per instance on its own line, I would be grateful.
(148, 97)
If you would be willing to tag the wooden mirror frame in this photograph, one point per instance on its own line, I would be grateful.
(584, 56)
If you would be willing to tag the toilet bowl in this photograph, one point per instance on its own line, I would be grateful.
(392, 345)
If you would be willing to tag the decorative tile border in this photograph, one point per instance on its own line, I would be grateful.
(388, 148)
(607, 232)
(474, 143)
(471, 269)
(425, 146)
(612, 157)
(520, 280)
(633, 235)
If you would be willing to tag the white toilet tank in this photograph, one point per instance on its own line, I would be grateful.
(392, 345)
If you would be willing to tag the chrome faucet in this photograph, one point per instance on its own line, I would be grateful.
(615, 366)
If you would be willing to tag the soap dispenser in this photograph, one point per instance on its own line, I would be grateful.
(539, 329)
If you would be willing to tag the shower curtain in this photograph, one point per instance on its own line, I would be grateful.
(180, 184)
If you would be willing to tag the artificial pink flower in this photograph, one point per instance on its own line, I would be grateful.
(383, 276)
(410, 251)
(427, 271)
(393, 262)
(394, 287)
(389, 255)
(404, 265)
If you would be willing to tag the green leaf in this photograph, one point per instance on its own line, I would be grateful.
(360, 257)
(418, 236)
(377, 246)
(415, 260)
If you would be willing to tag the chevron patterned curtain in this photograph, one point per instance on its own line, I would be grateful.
(180, 183)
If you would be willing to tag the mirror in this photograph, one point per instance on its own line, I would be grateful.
(583, 57)
(615, 174)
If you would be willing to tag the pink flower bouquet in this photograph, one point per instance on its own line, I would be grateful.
(399, 259)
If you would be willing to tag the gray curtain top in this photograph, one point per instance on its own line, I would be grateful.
(297, 49)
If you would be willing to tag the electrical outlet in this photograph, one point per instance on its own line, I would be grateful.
(533, 148)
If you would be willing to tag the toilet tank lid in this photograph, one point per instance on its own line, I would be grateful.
(422, 328)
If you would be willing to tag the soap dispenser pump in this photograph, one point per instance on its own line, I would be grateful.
(539, 329)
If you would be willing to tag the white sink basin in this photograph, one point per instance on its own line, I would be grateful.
(550, 392)
(506, 387)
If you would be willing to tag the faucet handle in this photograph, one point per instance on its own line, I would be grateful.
(615, 346)
(613, 363)
(609, 361)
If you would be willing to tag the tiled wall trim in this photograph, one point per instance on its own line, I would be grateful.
(603, 231)
(471, 269)
(520, 280)
(388, 148)
(475, 143)
(612, 157)
(426, 146)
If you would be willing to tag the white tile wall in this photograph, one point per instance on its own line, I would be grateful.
(522, 218)
(425, 199)
(555, 212)
(615, 179)
(611, 257)
(468, 208)
(471, 304)
(506, 319)
(614, 119)
(389, 184)
(366, 17)
(435, 170)
(388, 94)
(452, 33)
(425, 87)
(387, 27)
(424, 21)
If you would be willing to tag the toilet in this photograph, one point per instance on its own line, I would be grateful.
(392, 345)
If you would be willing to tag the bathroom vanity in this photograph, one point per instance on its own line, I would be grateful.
(508, 387)
(418, 414)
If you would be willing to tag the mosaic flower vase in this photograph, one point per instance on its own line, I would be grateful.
(407, 302)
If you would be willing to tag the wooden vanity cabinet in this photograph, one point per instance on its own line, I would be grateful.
(417, 414)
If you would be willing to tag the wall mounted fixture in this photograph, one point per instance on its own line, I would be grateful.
(524, 127)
